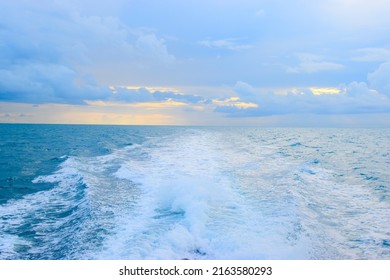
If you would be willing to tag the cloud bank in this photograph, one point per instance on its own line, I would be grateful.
(46, 50)
(353, 98)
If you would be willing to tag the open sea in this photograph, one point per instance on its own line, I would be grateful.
(154, 192)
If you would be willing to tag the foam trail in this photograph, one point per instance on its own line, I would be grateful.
(201, 193)
(183, 215)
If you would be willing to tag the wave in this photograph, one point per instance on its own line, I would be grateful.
(195, 195)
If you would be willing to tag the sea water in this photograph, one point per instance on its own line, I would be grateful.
(145, 192)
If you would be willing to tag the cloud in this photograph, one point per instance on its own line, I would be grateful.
(354, 98)
(358, 14)
(189, 98)
(232, 44)
(149, 44)
(70, 51)
(234, 102)
(143, 94)
(311, 63)
(379, 79)
(35, 82)
(131, 95)
(245, 90)
(324, 90)
(46, 52)
(372, 55)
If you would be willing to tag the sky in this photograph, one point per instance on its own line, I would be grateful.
(293, 63)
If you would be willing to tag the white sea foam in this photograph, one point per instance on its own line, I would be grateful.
(191, 207)
(203, 194)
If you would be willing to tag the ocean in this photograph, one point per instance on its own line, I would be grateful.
(155, 192)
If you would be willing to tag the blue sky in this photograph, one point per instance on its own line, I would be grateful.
(266, 63)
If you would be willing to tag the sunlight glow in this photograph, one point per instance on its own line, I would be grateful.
(235, 102)
(324, 90)
(148, 105)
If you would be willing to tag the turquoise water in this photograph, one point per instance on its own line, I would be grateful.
(134, 192)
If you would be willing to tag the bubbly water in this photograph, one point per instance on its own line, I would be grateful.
(130, 192)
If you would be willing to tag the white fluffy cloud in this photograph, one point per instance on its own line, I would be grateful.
(150, 45)
(379, 79)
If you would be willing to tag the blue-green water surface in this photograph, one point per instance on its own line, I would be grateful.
(154, 192)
